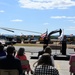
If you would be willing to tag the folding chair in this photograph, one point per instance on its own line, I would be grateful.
(9, 72)
(25, 62)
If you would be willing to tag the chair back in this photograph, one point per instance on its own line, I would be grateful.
(24, 62)
(9, 72)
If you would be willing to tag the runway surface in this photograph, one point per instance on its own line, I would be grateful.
(37, 49)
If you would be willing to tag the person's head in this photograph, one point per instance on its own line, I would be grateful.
(64, 36)
(10, 50)
(45, 60)
(48, 50)
(46, 37)
(1, 47)
(21, 51)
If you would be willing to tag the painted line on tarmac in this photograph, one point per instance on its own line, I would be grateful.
(57, 65)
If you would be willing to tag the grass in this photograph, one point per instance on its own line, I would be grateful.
(37, 45)
(71, 46)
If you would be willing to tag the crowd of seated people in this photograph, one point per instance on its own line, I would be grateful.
(10, 59)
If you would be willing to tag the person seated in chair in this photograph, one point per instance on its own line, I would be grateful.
(2, 52)
(44, 66)
(10, 61)
(21, 55)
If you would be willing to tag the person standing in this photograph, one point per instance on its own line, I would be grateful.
(45, 44)
(72, 64)
(64, 45)
(46, 41)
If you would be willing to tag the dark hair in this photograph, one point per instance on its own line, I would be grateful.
(1, 47)
(48, 50)
(10, 49)
(45, 60)
(21, 51)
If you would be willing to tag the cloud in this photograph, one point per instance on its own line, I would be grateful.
(69, 18)
(46, 23)
(17, 20)
(63, 17)
(73, 21)
(71, 28)
(46, 4)
(1, 11)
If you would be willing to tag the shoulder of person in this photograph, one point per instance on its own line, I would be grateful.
(16, 58)
(2, 57)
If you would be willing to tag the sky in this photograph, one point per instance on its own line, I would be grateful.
(37, 16)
